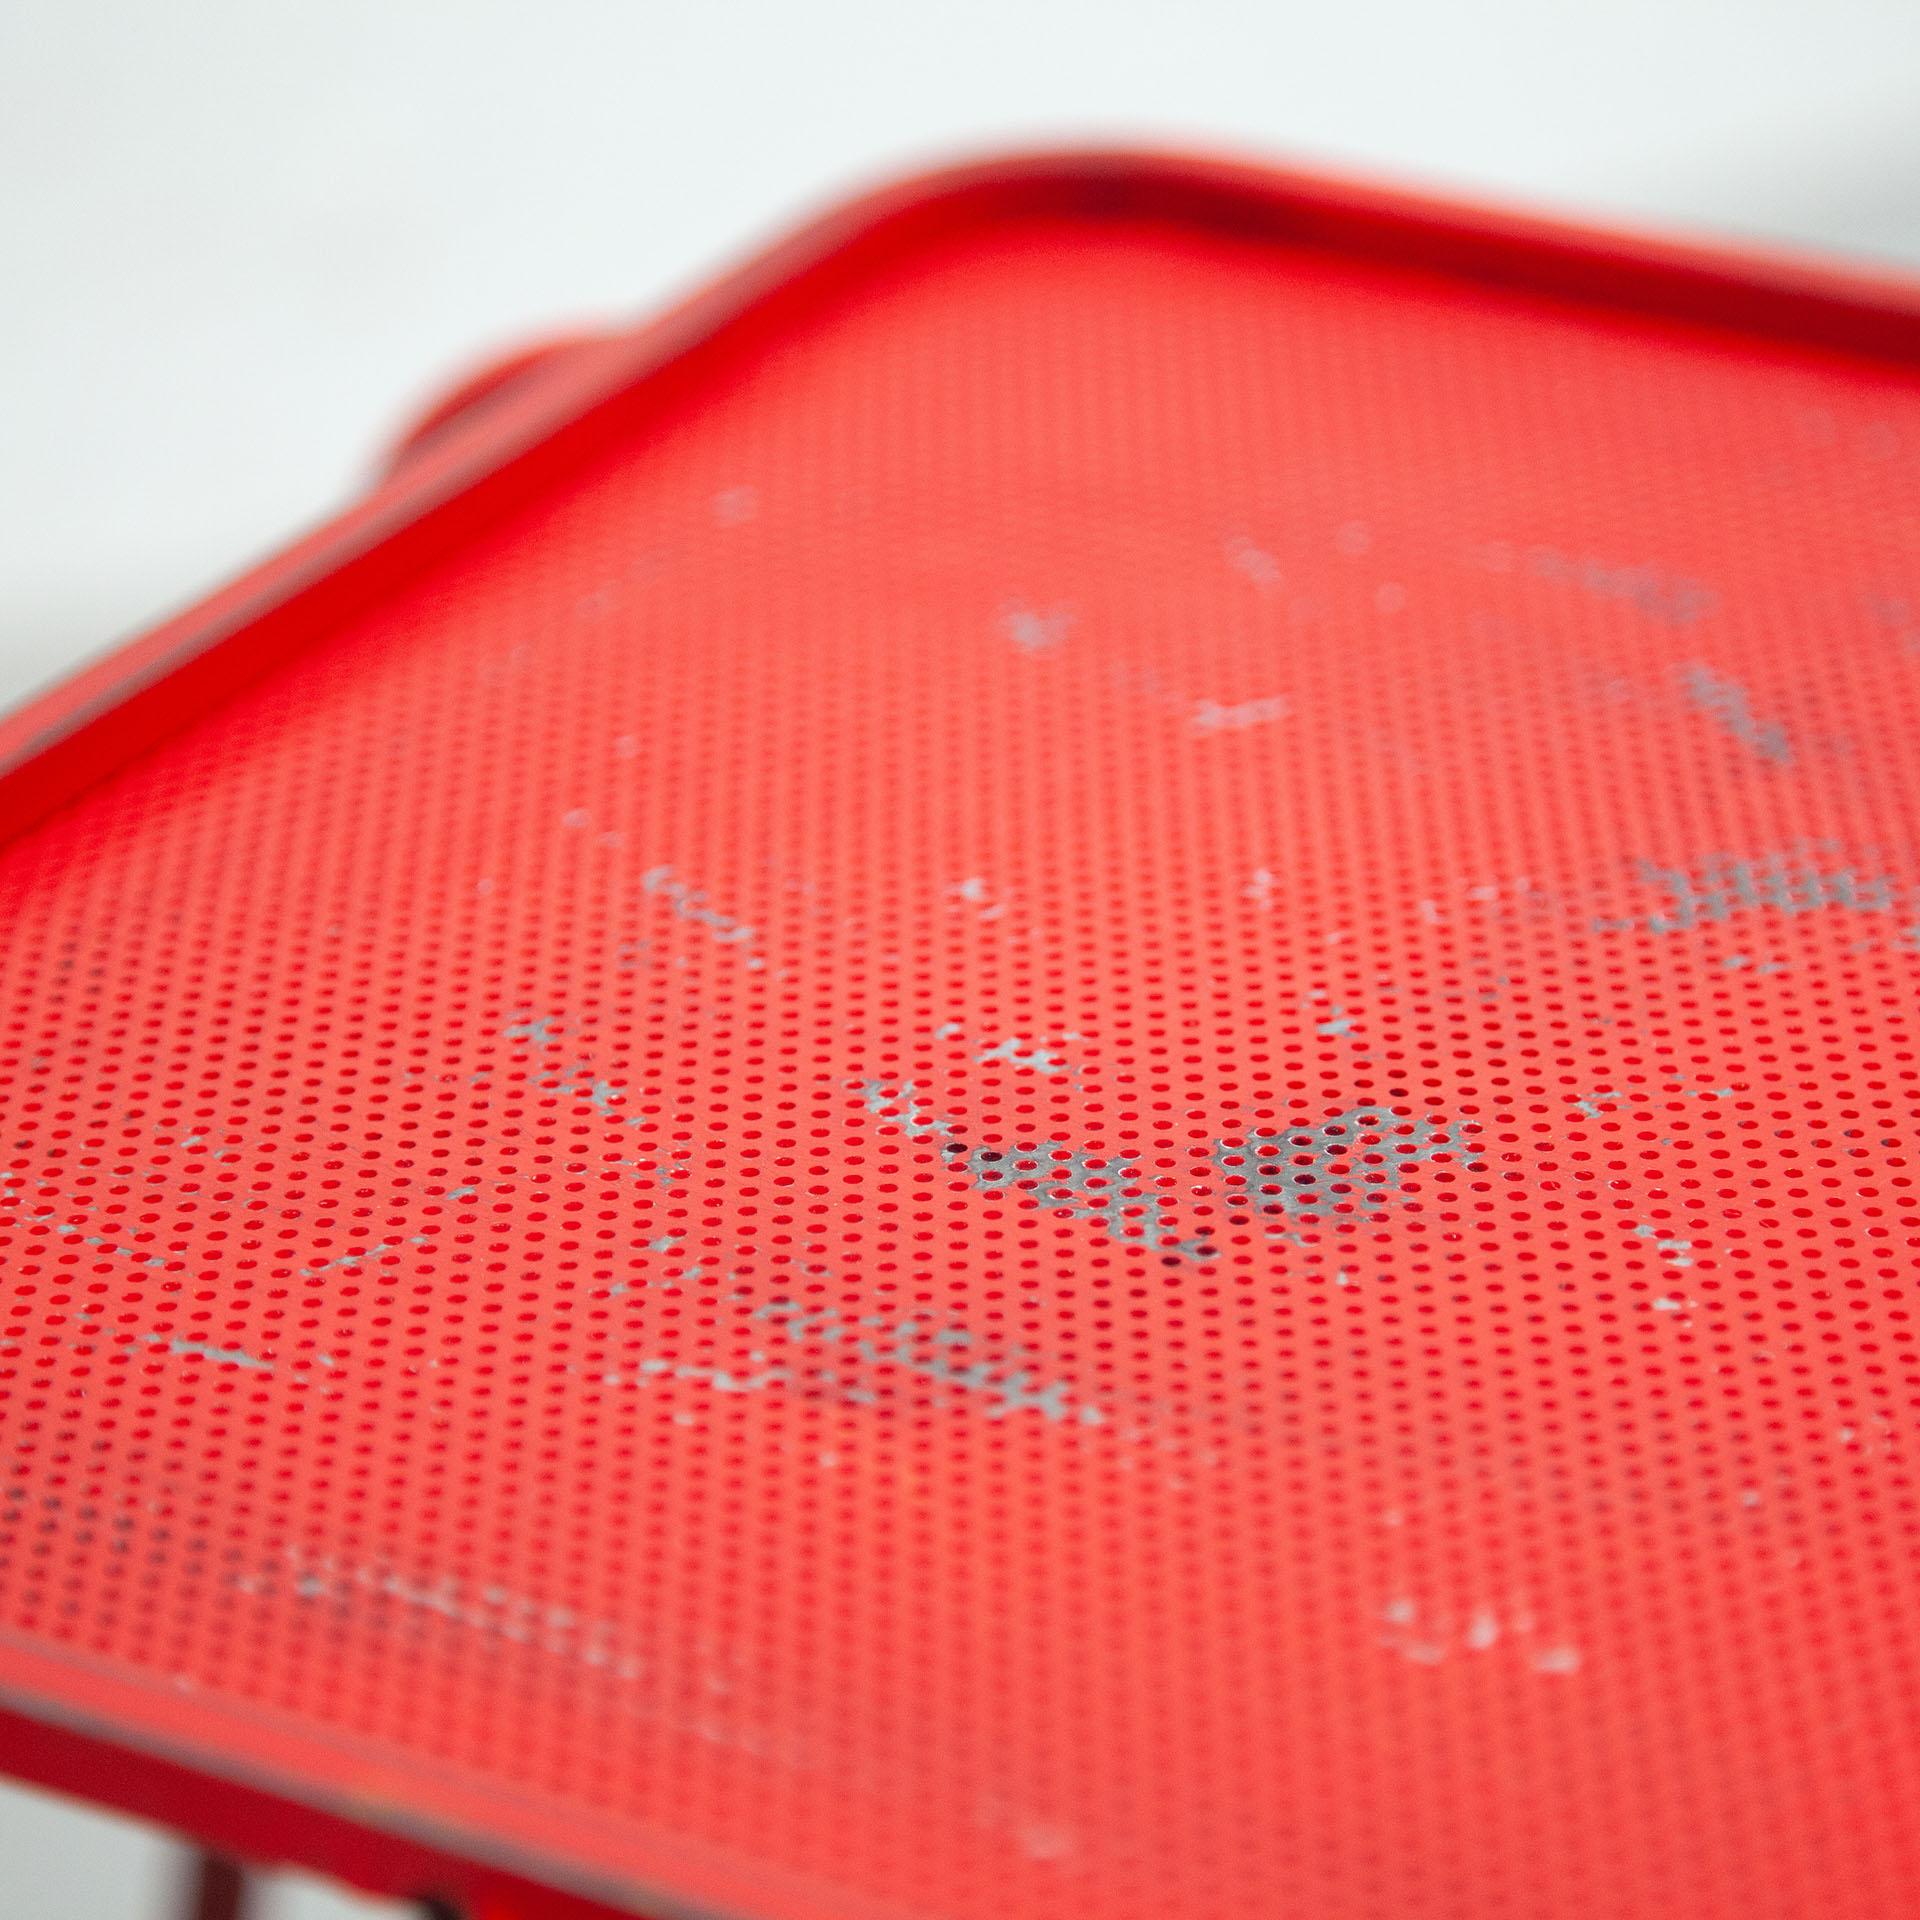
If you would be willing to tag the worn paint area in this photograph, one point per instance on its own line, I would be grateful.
(1351, 1162)
(1667, 598)
(1730, 706)
(1052, 1174)
(1724, 887)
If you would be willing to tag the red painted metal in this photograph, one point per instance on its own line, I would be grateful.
(1064, 1066)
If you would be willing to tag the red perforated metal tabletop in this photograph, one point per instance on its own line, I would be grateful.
(1066, 1068)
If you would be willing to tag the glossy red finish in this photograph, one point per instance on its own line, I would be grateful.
(1065, 1067)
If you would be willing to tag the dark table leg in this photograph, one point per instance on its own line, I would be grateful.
(214, 1888)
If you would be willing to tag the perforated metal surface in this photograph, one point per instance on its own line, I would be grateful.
(1103, 1105)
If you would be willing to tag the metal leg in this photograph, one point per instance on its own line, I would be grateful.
(215, 1888)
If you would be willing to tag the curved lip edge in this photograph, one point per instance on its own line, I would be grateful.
(379, 1816)
(574, 383)
(365, 1814)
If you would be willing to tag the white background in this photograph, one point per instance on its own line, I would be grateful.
(241, 239)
